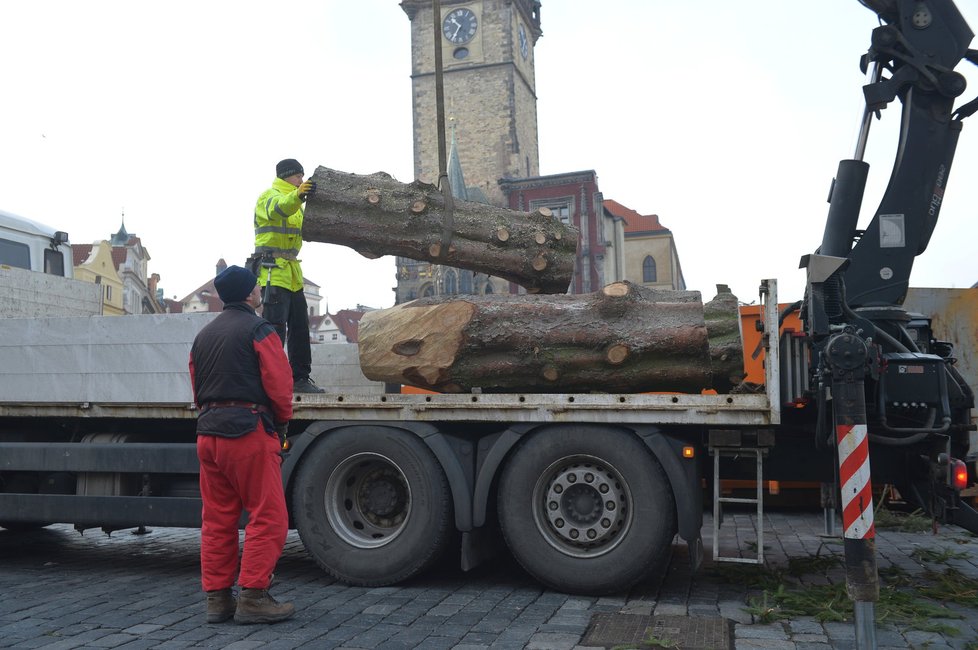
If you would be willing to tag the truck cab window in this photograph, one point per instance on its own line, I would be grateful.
(14, 253)
(54, 262)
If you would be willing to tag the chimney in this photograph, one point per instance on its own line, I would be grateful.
(221, 265)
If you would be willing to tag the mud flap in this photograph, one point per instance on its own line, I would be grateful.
(964, 516)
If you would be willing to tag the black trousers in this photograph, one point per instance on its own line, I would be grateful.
(289, 313)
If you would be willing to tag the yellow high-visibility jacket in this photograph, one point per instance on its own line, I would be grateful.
(278, 231)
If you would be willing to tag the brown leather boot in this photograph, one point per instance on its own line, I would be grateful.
(258, 606)
(220, 605)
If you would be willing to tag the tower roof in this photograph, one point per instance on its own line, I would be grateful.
(121, 238)
(456, 179)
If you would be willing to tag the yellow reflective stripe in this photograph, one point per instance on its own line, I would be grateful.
(278, 229)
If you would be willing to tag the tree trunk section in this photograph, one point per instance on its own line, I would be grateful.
(624, 338)
(722, 316)
(377, 215)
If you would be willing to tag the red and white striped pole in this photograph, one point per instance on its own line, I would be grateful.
(857, 489)
(846, 355)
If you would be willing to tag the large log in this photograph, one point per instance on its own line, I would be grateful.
(377, 215)
(722, 316)
(624, 338)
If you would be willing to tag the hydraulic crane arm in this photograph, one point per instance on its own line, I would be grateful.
(913, 56)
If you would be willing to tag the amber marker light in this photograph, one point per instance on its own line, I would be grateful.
(689, 452)
(960, 474)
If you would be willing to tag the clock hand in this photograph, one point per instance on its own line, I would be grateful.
(459, 27)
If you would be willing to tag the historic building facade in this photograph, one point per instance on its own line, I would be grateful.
(490, 112)
(489, 86)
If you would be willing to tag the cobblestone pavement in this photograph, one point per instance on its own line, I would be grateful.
(60, 589)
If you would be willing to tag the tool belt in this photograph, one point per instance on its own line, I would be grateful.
(270, 252)
(261, 408)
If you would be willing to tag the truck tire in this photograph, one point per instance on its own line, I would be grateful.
(586, 510)
(372, 505)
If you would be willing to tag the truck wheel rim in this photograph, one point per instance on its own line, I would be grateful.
(582, 506)
(368, 500)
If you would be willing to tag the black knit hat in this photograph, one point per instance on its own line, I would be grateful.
(235, 283)
(288, 167)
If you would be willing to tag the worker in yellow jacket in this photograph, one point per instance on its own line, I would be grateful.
(278, 238)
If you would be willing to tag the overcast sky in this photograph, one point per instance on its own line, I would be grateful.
(727, 119)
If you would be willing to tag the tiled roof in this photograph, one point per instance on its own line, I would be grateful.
(348, 321)
(634, 222)
(80, 253)
(207, 294)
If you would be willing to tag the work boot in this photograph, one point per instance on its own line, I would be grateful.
(258, 606)
(306, 386)
(220, 605)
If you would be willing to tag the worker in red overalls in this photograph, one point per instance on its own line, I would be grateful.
(242, 384)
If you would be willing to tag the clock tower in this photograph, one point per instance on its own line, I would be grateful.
(489, 88)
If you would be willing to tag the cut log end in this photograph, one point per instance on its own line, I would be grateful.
(539, 263)
(418, 207)
(616, 290)
(540, 238)
(502, 234)
(616, 354)
(373, 198)
(545, 212)
(434, 250)
(550, 373)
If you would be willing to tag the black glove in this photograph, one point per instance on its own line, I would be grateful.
(307, 188)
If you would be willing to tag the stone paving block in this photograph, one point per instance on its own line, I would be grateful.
(437, 643)
(444, 610)
(665, 609)
(837, 630)
(809, 638)
(772, 631)
(760, 644)
(805, 626)
(552, 641)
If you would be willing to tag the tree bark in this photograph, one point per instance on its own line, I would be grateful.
(377, 215)
(624, 338)
(722, 316)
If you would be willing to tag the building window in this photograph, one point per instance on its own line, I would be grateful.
(322, 337)
(561, 212)
(648, 270)
(335, 336)
(451, 283)
(108, 292)
(560, 206)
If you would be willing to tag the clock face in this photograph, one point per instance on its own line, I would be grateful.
(459, 25)
(524, 45)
